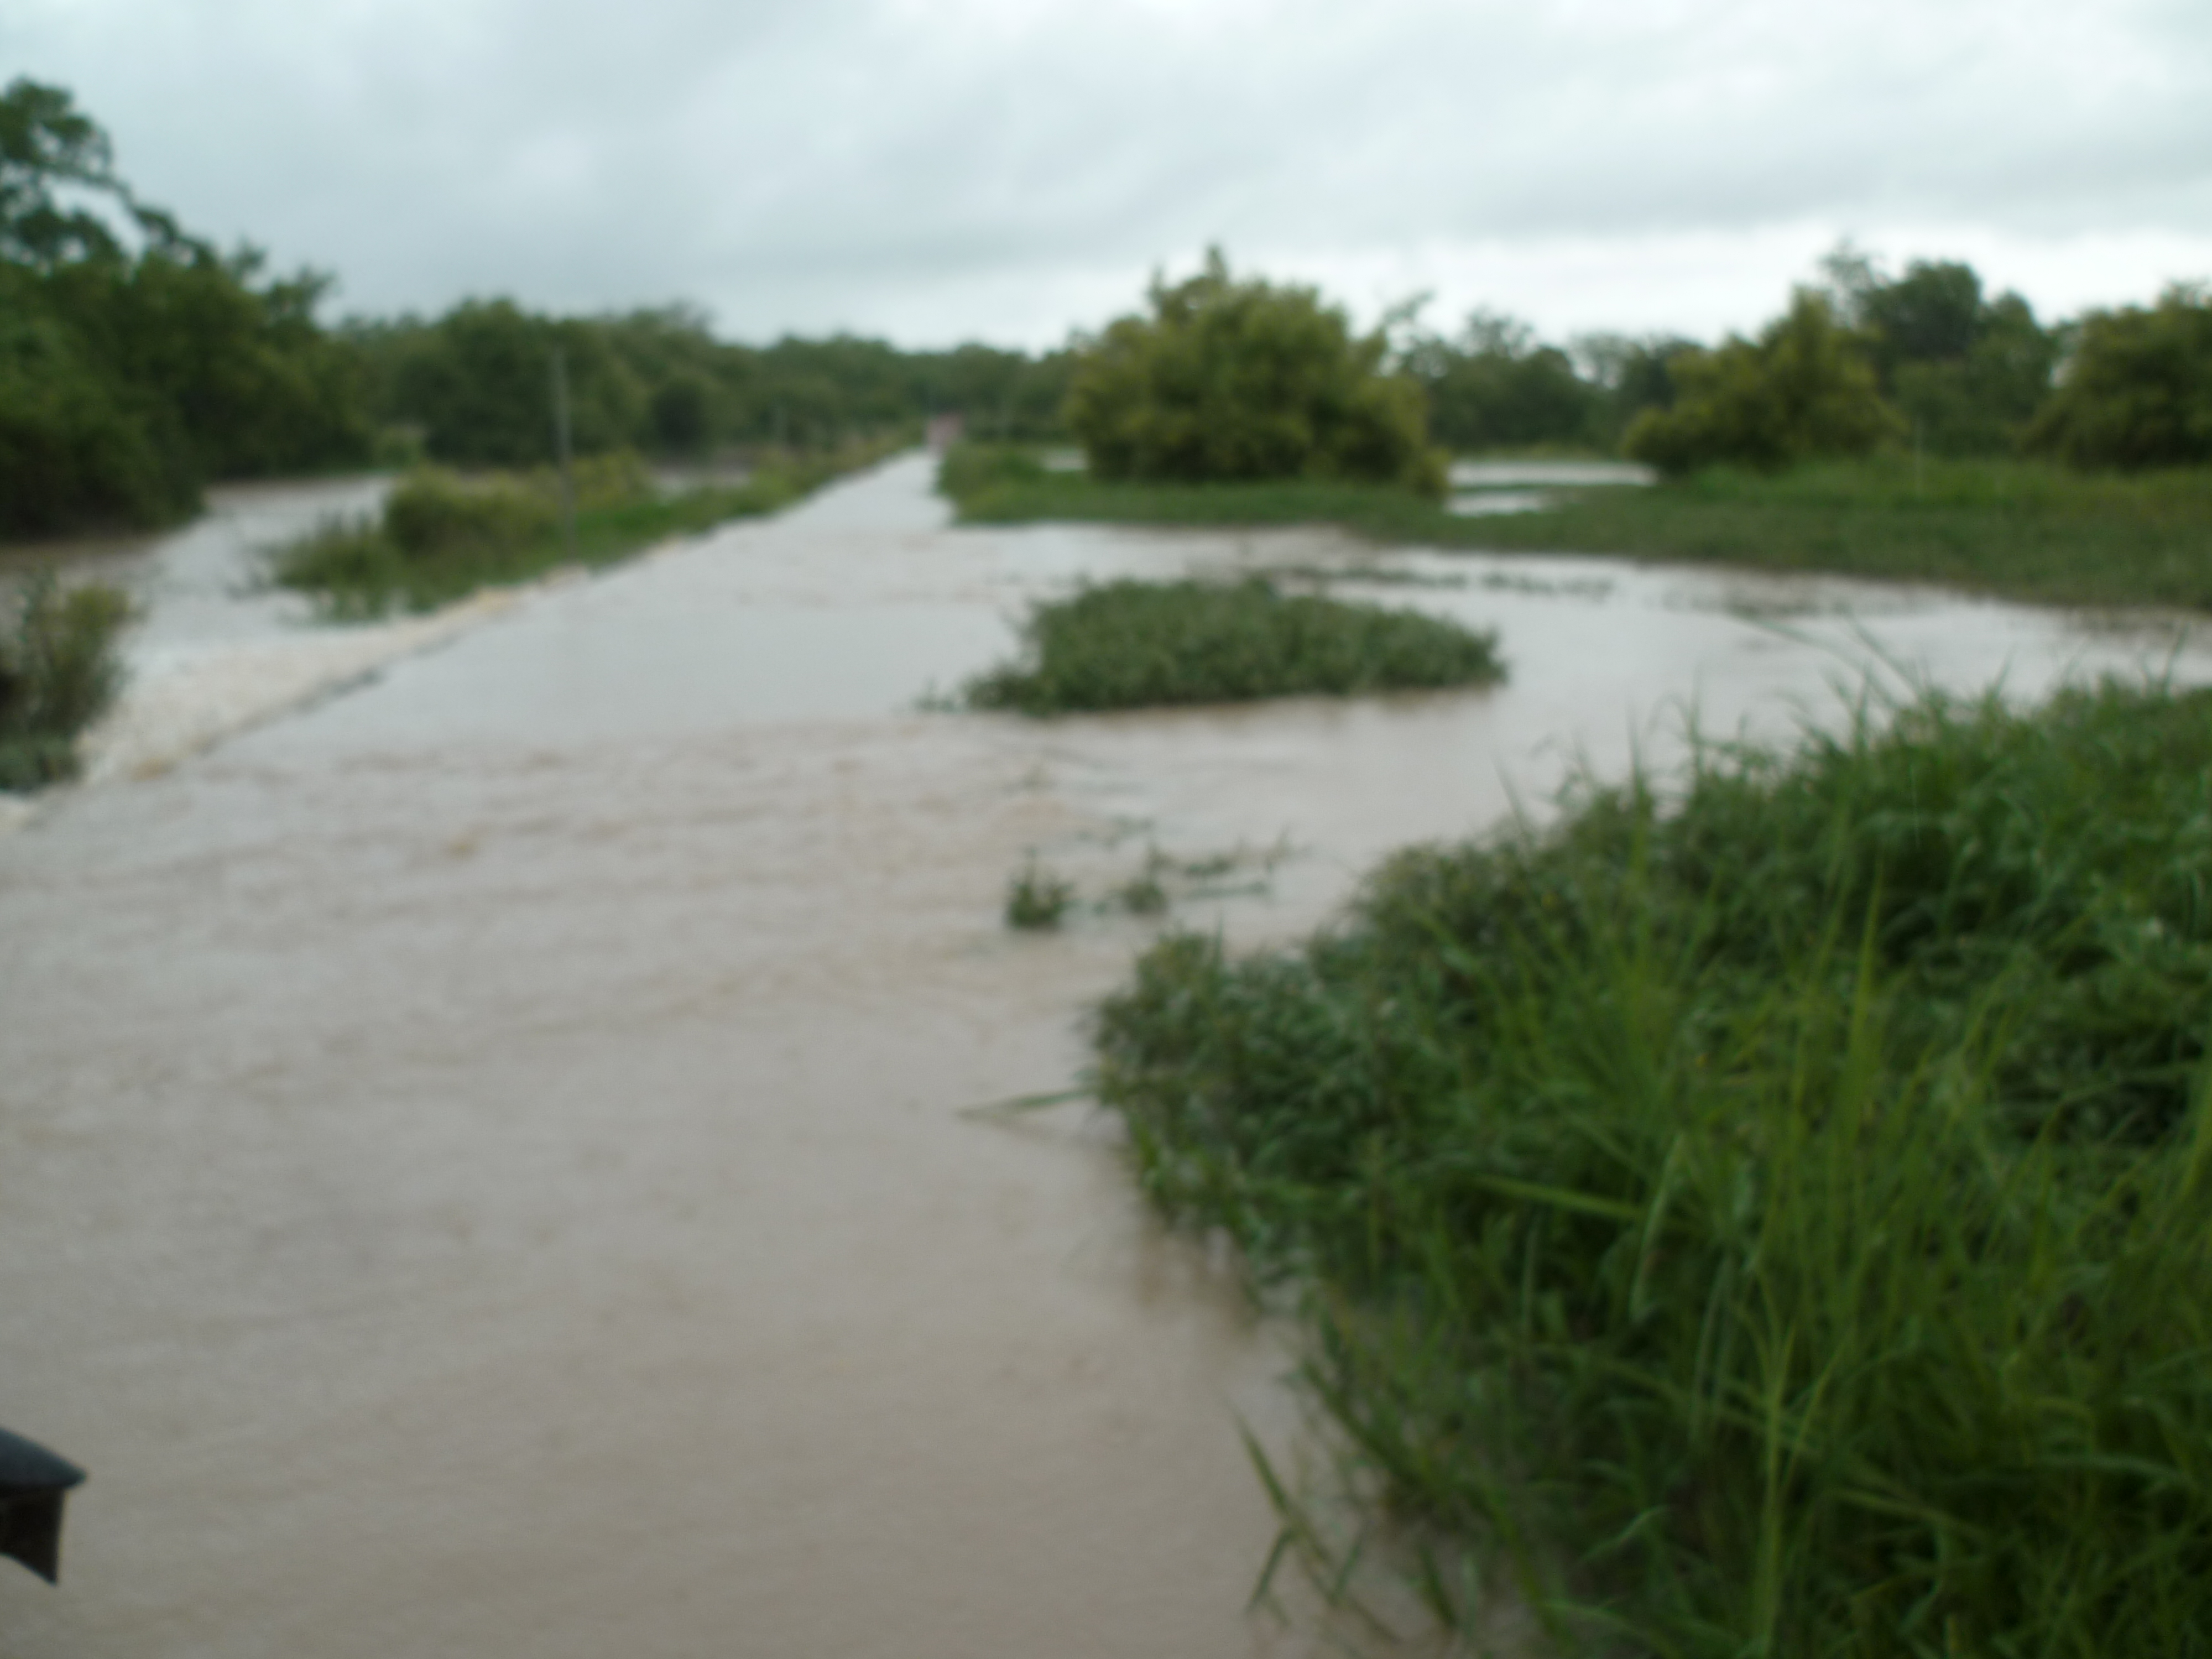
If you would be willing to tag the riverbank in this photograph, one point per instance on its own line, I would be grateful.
(1761, 1224)
(2012, 530)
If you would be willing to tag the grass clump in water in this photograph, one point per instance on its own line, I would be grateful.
(59, 673)
(1779, 1223)
(1037, 900)
(443, 536)
(1133, 644)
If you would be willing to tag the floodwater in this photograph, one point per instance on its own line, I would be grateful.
(488, 1169)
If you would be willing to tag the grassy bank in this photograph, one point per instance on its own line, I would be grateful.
(443, 536)
(1781, 1224)
(2014, 529)
(59, 669)
(1136, 645)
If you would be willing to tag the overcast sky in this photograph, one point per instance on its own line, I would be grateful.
(936, 170)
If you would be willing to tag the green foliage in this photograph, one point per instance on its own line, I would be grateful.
(2025, 530)
(970, 472)
(131, 376)
(475, 384)
(1801, 392)
(1776, 1224)
(479, 382)
(59, 673)
(1037, 900)
(1133, 644)
(1231, 380)
(442, 535)
(78, 445)
(1965, 373)
(2138, 390)
(46, 140)
(1496, 388)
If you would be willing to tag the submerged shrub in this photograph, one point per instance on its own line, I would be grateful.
(1133, 644)
(1242, 380)
(1038, 900)
(57, 675)
(1779, 1223)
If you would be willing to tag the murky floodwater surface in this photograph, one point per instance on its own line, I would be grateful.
(486, 1169)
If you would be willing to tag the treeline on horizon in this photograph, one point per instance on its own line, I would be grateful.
(137, 363)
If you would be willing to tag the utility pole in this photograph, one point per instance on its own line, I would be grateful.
(561, 450)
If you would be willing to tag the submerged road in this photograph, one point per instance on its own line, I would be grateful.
(485, 1169)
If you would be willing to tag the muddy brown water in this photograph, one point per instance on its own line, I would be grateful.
(486, 1169)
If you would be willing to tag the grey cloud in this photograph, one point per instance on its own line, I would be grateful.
(827, 160)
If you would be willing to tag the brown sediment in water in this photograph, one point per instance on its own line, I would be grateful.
(486, 1168)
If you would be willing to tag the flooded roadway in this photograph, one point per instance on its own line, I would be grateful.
(486, 1171)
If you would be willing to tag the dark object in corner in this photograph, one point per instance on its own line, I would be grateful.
(33, 1483)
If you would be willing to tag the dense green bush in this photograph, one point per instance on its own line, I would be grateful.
(2138, 390)
(1134, 644)
(78, 446)
(59, 670)
(1802, 392)
(1232, 380)
(1778, 1223)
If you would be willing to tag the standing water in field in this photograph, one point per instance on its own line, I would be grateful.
(488, 1168)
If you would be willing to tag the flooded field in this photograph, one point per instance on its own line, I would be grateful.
(488, 1169)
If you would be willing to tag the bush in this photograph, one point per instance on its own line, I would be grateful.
(77, 445)
(2138, 391)
(57, 675)
(434, 513)
(1133, 644)
(1775, 1225)
(1232, 380)
(1037, 900)
(1496, 388)
(1802, 391)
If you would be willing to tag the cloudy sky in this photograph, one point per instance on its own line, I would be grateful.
(933, 170)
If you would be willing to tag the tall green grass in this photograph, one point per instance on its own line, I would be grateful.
(1778, 1223)
(443, 536)
(1134, 644)
(2019, 529)
(60, 668)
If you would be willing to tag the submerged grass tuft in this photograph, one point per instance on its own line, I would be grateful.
(1778, 1223)
(1134, 644)
(1037, 900)
(60, 668)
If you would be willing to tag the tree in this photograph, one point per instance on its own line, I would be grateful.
(2138, 390)
(1802, 391)
(1966, 373)
(45, 142)
(133, 372)
(1495, 387)
(1245, 380)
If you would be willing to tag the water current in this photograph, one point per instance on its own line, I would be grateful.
(487, 1167)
